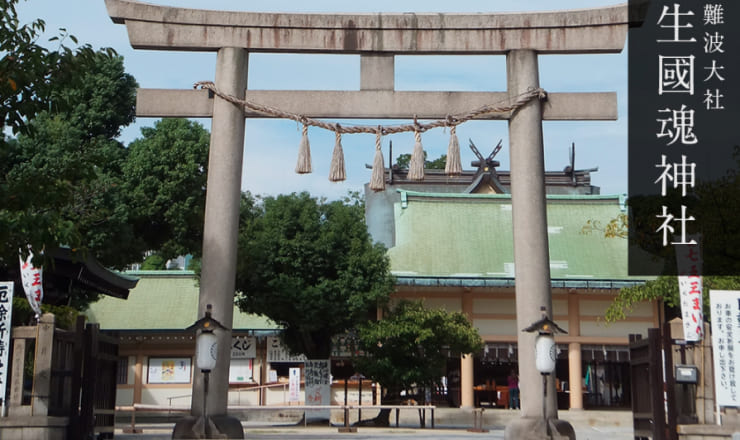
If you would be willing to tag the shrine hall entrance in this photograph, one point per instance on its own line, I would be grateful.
(605, 377)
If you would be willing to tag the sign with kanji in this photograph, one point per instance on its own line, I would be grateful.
(6, 311)
(318, 384)
(294, 385)
(684, 150)
(690, 286)
(32, 280)
(725, 312)
(243, 347)
(276, 352)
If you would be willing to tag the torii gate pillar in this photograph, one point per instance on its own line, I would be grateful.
(220, 233)
(531, 249)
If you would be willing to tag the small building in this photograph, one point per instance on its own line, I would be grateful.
(156, 352)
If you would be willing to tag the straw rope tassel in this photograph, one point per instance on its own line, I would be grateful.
(377, 182)
(453, 167)
(304, 154)
(416, 164)
(337, 171)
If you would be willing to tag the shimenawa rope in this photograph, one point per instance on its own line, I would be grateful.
(377, 182)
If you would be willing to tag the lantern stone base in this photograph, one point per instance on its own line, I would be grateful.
(222, 426)
(536, 429)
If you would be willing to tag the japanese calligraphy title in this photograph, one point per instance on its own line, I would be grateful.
(682, 97)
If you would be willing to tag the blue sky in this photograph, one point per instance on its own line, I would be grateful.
(271, 145)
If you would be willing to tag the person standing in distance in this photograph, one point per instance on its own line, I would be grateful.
(513, 382)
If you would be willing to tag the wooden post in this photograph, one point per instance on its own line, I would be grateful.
(42, 366)
(670, 383)
(87, 415)
(78, 353)
(656, 384)
(16, 386)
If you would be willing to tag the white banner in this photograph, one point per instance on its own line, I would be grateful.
(6, 311)
(294, 385)
(725, 313)
(689, 264)
(31, 277)
(692, 303)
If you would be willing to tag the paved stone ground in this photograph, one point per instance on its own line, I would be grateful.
(164, 433)
(603, 429)
(451, 423)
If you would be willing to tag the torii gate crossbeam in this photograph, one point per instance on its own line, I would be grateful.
(377, 38)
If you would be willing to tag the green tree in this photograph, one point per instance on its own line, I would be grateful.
(67, 181)
(311, 267)
(58, 182)
(28, 69)
(403, 160)
(165, 183)
(154, 262)
(410, 346)
(717, 201)
(665, 288)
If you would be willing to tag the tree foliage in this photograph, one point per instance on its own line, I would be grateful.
(29, 70)
(403, 160)
(65, 179)
(411, 344)
(665, 288)
(716, 200)
(310, 266)
(165, 182)
(60, 181)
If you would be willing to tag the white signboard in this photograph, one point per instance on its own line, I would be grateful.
(318, 385)
(689, 263)
(243, 347)
(169, 370)
(294, 385)
(6, 310)
(725, 310)
(240, 371)
(276, 352)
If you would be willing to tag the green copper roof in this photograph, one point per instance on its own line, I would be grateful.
(162, 300)
(470, 236)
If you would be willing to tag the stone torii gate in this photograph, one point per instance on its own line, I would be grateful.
(377, 38)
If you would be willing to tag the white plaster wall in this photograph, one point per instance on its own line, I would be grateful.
(560, 307)
(593, 307)
(642, 310)
(504, 306)
(246, 397)
(449, 304)
(495, 326)
(124, 397)
(159, 396)
(616, 329)
(131, 378)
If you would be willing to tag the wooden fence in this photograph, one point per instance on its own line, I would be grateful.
(73, 380)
